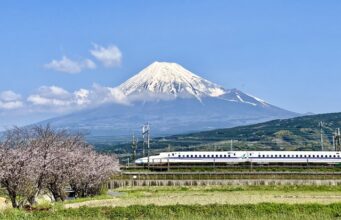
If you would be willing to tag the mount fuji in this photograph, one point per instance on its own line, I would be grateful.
(173, 100)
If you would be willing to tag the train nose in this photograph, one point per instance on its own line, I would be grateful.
(138, 161)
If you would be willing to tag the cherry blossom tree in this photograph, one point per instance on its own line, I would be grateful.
(18, 167)
(90, 176)
(41, 159)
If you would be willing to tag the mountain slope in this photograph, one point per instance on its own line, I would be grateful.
(173, 100)
(300, 133)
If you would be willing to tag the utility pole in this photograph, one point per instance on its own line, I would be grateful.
(146, 138)
(321, 131)
(337, 139)
(133, 147)
(231, 145)
(334, 139)
(169, 150)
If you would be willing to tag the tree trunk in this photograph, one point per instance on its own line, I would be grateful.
(32, 199)
(13, 196)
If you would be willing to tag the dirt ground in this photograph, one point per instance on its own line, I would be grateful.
(4, 204)
(215, 197)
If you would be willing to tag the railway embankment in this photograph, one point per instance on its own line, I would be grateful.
(148, 178)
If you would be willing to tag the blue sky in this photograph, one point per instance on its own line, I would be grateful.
(285, 52)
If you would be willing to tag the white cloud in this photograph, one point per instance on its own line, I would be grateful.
(9, 95)
(101, 94)
(50, 96)
(70, 66)
(54, 98)
(110, 56)
(10, 100)
(82, 97)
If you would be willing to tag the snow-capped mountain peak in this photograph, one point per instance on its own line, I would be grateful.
(169, 80)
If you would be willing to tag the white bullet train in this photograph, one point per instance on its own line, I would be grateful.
(236, 157)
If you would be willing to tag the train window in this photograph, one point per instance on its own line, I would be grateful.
(229, 155)
(172, 154)
(284, 156)
(179, 155)
(275, 155)
(225, 155)
(191, 155)
(187, 155)
(334, 155)
(204, 155)
(309, 155)
(317, 155)
(234, 154)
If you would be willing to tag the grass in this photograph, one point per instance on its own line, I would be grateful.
(213, 211)
(200, 202)
(78, 200)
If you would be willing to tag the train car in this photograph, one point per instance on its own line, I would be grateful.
(238, 157)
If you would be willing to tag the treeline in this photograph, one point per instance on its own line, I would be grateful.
(41, 160)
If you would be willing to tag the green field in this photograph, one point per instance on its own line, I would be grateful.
(209, 202)
(258, 211)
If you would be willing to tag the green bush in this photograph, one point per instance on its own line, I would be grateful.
(214, 211)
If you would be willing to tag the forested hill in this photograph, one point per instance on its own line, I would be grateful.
(300, 133)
